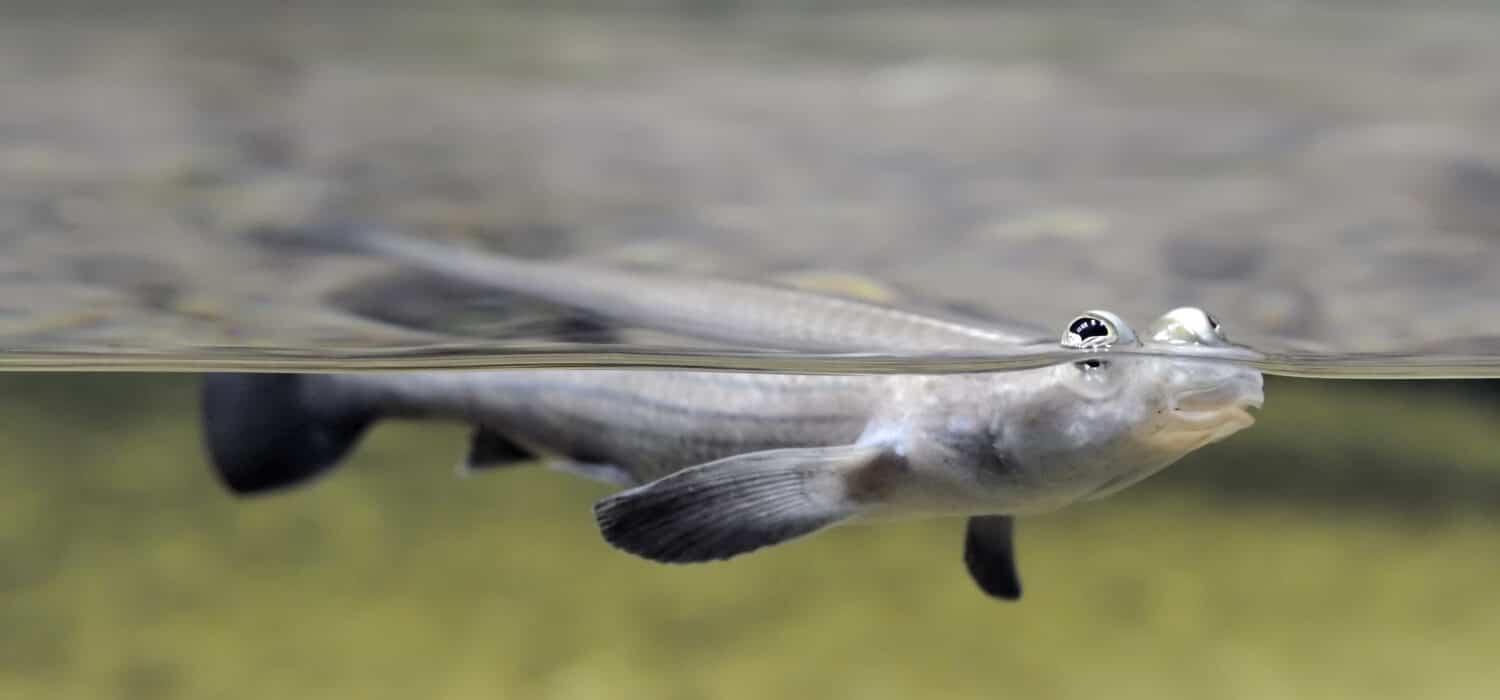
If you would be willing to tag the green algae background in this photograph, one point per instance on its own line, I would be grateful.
(1344, 547)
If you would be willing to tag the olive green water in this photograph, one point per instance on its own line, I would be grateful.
(1321, 175)
(1321, 554)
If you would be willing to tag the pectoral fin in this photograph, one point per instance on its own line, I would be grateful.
(990, 553)
(740, 504)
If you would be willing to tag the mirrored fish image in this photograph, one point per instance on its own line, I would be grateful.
(722, 464)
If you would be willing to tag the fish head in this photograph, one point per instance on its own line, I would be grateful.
(1123, 408)
(1164, 406)
(1205, 400)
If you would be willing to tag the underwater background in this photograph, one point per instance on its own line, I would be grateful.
(1343, 547)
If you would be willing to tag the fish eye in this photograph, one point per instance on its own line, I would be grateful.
(1088, 327)
(1095, 330)
(1188, 326)
(1090, 365)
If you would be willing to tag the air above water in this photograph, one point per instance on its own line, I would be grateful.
(1022, 164)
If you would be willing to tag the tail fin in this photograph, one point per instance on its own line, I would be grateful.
(268, 431)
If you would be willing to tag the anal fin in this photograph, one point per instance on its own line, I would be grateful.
(489, 450)
(739, 504)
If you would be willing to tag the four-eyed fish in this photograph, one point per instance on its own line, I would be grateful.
(720, 464)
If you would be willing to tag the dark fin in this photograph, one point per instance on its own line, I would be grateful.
(736, 505)
(990, 553)
(266, 431)
(489, 449)
(430, 302)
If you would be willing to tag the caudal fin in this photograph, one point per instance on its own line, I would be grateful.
(265, 432)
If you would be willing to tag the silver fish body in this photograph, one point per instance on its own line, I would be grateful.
(1014, 443)
(648, 424)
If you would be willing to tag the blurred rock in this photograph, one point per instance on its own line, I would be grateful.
(1465, 198)
(1214, 258)
(151, 282)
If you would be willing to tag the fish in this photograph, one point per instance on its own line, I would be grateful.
(704, 308)
(715, 465)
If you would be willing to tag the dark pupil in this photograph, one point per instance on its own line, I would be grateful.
(1086, 328)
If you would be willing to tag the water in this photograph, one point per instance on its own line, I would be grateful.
(1306, 365)
(1321, 174)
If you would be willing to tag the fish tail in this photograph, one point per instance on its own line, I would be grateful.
(265, 432)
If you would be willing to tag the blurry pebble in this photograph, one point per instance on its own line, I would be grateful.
(1214, 259)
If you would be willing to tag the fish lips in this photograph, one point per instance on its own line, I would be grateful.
(1221, 402)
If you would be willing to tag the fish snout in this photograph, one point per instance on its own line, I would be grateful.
(1243, 392)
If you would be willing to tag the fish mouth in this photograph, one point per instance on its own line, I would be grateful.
(1208, 411)
(1223, 402)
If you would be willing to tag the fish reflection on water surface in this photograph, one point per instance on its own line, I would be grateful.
(720, 464)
